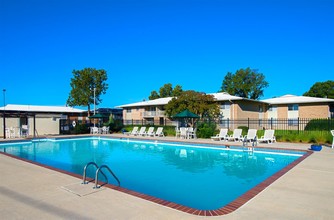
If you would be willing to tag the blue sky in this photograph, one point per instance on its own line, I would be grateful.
(144, 44)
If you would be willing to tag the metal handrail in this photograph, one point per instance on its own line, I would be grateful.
(112, 173)
(84, 172)
(254, 142)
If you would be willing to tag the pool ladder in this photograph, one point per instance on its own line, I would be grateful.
(98, 170)
(245, 144)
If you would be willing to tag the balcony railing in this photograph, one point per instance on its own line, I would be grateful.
(154, 114)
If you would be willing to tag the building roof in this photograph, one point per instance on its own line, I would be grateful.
(224, 96)
(155, 102)
(36, 108)
(220, 96)
(293, 99)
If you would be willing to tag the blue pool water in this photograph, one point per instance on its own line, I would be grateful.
(200, 177)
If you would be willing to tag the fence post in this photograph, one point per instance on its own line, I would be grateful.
(271, 123)
(228, 123)
(298, 124)
(248, 122)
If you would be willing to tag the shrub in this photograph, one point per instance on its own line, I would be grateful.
(320, 125)
(244, 130)
(81, 129)
(205, 130)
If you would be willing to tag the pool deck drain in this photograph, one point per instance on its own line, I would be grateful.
(82, 189)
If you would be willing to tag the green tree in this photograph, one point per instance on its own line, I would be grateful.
(199, 103)
(246, 83)
(166, 91)
(177, 91)
(322, 90)
(154, 95)
(83, 84)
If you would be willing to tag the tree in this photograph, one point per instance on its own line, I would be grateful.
(246, 83)
(322, 90)
(154, 95)
(166, 91)
(199, 103)
(83, 84)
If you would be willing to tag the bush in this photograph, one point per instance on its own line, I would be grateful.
(244, 130)
(114, 125)
(205, 130)
(320, 125)
(81, 129)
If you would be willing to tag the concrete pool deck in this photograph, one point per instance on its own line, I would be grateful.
(28, 191)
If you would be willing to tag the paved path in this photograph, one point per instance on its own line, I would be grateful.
(28, 191)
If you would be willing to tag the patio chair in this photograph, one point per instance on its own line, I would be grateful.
(192, 133)
(160, 132)
(236, 136)
(24, 131)
(268, 137)
(221, 136)
(250, 136)
(142, 131)
(105, 130)
(95, 130)
(332, 131)
(150, 131)
(177, 132)
(183, 132)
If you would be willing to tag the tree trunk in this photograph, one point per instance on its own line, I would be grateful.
(88, 112)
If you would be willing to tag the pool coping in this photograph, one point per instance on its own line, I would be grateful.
(229, 208)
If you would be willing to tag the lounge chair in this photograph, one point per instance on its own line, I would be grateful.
(150, 131)
(236, 136)
(133, 132)
(250, 136)
(221, 136)
(268, 137)
(142, 131)
(160, 132)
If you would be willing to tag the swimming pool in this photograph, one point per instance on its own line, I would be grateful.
(202, 177)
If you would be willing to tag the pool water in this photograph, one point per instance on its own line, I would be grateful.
(200, 177)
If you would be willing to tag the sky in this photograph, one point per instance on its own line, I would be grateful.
(144, 44)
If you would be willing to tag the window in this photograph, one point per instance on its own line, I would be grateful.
(293, 122)
(128, 110)
(225, 106)
(293, 107)
(272, 108)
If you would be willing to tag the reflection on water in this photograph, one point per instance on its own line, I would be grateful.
(196, 177)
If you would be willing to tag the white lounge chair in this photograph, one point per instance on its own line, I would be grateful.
(150, 131)
(133, 132)
(160, 132)
(236, 136)
(332, 131)
(251, 135)
(142, 131)
(221, 136)
(268, 137)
